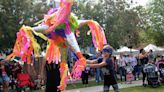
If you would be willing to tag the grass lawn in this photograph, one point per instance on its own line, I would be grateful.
(136, 89)
(78, 85)
(132, 89)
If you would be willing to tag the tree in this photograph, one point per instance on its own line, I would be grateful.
(152, 25)
(156, 20)
(110, 14)
(86, 9)
(14, 14)
(118, 21)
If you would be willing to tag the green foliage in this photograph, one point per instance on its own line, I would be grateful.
(153, 25)
(117, 19)
(123, 24)
(14, 14)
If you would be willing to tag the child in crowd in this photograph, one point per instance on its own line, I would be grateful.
(129, 73)
(84, 76)
(85, 73)
(39, 82)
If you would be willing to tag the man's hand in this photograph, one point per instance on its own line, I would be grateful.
(91, 61)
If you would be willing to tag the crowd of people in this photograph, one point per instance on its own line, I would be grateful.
(14, 77)
(131, 67)
(8, 74)
(104, 66)
(126, 67)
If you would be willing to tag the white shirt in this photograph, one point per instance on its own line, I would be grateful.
(127, 59)
(133, 61)
(121, 62)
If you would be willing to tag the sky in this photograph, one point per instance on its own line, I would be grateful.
(141, 2)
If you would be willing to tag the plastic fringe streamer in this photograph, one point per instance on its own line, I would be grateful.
(63, 75)
(26, 45)
(78, 68)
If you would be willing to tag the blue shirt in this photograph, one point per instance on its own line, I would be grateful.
(100, 59)
(108, 69)
(109, 64)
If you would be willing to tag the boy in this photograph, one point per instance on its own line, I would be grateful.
(107, 69)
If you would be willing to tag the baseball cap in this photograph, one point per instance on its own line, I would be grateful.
(108, 50)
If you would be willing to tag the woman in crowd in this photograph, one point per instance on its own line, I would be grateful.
(122, 65)
(143, 59)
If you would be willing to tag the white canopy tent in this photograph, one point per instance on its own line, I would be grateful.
(160, 49)
(126, 49)
(153, 47)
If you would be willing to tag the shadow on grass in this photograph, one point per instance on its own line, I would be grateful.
(80, 85)
(76, 86)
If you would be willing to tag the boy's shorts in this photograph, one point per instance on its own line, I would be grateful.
(109, 80)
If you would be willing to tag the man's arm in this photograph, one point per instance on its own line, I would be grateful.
(92, 61)
(97, 65)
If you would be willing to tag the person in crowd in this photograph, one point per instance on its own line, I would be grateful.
(115, 65)
(85, 73)
(84, 76)
(98, 57)
(107, 68)
(132, 60)
(151, 56)
(158, 57)
(17, 69)
(137, 69)
(133, 63)
(38, 82)
(129, 74)
(98, 70)
(143, 59)
(1, 80)
(12, 82)
(122, 64)
(126, 58)
(4, 77)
